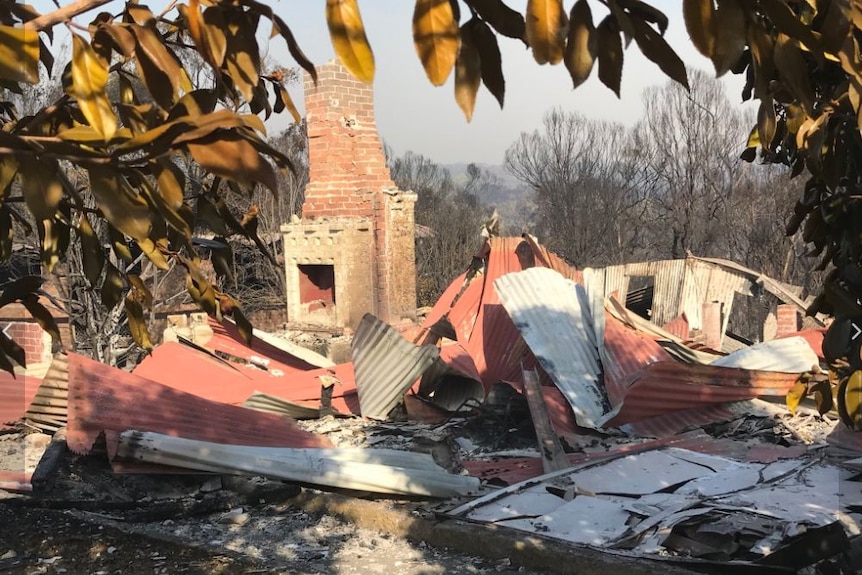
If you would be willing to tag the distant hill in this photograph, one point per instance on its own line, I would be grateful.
(511, 198)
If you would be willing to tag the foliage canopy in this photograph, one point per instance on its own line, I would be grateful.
(130, 117)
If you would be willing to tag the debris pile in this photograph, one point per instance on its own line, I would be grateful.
(613, 408)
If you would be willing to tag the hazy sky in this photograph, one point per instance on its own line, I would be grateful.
(414, 115)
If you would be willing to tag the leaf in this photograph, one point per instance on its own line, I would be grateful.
(610, 54)
(243, 326)
(143, 294)
(436, 38)
(112, 287)
(787, 22)
(546, 30)
(348, 38)
(20, 289)
(171, 183)
(54, 237)
(823, 396)
(13, 350)
(201, 292)
(656, 49)
(7, 234)
(468, 73)
(503, 19)
(229, 155)
(793, 72)
(154, 254)
(119, 245)
(42, 316)
(581, 44)
(489, 58)
(159, 69)
(795, 395)
(91, 251)
(730, 35)
(766, 123)
(194, 105)
(123, 208)
(282, 100)
(242, 59)
(647, 13)
(42, 189)
(222, 258)
(122, 37)
(19, 54)
(137, 323)
(89, 80)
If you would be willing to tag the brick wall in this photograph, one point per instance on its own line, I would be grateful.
(787, 319)
(346, 162)
(21, 327)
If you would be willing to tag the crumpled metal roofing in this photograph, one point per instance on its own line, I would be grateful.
(386, 365)
(552, 314)
(452, 381)
(790, 354)
(472, 306)
(109, 400)
(227, 382)
(226, 339)
(49, 409)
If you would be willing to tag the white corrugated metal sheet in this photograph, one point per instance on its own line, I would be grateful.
(788, 355)
(553, 316)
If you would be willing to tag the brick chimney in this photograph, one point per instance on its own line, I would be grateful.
(353, 251)
(346, 162)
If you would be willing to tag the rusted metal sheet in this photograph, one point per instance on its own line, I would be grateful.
(227, 382)
(271, 404)
(16, 481)
(670, 424)
(452, 381)
(226, 339)
(678, 327)
(552, 314)
(103, 399)
(386, 365)
(48, 410)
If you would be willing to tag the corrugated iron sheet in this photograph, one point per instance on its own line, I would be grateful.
(386, 365)
(226, 339)
(552, 315)
(271, 404)
(791, 354)
(48, 410)
(452, 381)
(227, 382)
(678, 327)
(109, 400)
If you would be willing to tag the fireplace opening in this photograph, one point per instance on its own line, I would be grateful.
(317, 284)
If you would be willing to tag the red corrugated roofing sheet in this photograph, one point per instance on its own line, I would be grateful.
(814, 337)
(678, 327)
(226, 339)
(172, 363)
(16, 393)
(109, 400)
(627, 351)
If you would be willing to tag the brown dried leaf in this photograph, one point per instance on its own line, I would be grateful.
(657, 50)
(610, 54)
(42, 189)
(468, 73)
(123, 208)
(730, 35)
(546, 30)
(142, 292)
(159, 68)
(436, 38)
(503, 19)
(112, 287)
(229, 155)
(12, 350)
(581, 44)
(699, 16)
(793, 72)
(242, 56)
(137, 323)
(489, 58)
(91, 251)
(348, 38)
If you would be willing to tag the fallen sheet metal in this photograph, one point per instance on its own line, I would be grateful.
(452, 381)
(16, 393)
(221, 380)
(103, 399)
(375, 470)
(226, 340)
(386, 366)
(271, 404)
(48, 410)
(791, 355)
(679, 503)
(552, 315)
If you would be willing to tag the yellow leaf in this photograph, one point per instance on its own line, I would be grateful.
(19, 54)
(40, 185)
(436, 38)
(230, 156)
(154, 254)
(581, 44)
(699, 16)
(89, 79)
(546, 30)
(137, 323)
(468, 74)
(348, 38)
(794, 396)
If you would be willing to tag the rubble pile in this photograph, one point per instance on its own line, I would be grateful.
(586, 406)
